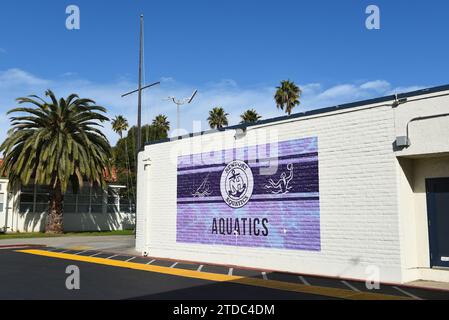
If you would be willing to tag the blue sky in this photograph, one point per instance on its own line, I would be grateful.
(235, 52)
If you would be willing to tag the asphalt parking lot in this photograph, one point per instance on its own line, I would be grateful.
(41, 274)
(26, 276)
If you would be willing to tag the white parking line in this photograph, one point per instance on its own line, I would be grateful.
(304, 281)
(151, 261)
(200, 268)
(174, 265)
(264, 276)
(407, 293)
(95, 254)
(231, 271)
(78, 253)
(130, 259)
(350, 286)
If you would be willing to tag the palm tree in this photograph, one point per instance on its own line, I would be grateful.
(120, 124)
(250, 116)
(161, 123)
(218, 118)
(287, 96)
(56, 143)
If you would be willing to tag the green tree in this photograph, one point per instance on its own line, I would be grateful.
(161, 122)
(287, 96)
(126, 148)
(119, 125)
(250, 116)
(56, 144)
(218, 118)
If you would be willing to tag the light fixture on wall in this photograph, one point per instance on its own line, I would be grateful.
(398, 101)
(402, 142)
(147, 163)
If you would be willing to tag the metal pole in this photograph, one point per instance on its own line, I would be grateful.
(178, 116)
(139, 107)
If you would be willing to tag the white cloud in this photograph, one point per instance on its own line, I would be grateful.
(15, 77)
(226, 93)
(377, 85)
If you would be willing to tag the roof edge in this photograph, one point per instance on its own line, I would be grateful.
(310, 113)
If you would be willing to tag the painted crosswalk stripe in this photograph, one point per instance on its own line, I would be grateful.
(350, 286)
(407, 293)
(304, 281)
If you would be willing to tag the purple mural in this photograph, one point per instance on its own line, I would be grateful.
(228, 198)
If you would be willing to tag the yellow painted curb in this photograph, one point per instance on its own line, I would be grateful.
(271, 284)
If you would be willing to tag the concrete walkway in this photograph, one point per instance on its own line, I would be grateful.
(118, 244)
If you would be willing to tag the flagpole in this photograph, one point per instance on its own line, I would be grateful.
(139, 104)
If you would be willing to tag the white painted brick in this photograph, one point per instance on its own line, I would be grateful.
(358, 200)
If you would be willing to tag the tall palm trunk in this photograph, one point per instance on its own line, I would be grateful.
(55, 222)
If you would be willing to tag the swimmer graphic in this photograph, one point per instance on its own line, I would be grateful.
(203, 190)
(283, 185)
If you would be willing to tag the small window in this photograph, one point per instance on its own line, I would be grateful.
(41, 207)
(27, 189)
(2, 201)
(26, 207)
(69, 208)
(96, 209)
(27, 197)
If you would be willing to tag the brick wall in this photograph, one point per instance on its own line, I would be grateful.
(357, 192)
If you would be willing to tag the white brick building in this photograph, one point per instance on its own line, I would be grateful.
(91, 209)
(350, 192)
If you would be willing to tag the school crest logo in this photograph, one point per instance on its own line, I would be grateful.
(237, 184)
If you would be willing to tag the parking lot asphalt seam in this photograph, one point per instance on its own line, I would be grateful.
(271, 284)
